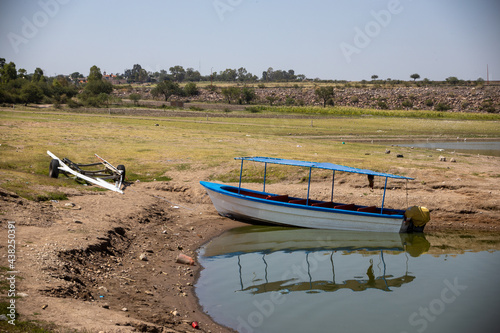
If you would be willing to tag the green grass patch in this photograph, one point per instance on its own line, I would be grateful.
(346, 111)
(149, 152)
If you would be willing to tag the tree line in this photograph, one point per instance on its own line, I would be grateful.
(17, 86)
(137, 74)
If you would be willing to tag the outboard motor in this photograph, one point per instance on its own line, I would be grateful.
(416, 218)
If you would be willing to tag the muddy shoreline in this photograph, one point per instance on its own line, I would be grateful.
(111, 258)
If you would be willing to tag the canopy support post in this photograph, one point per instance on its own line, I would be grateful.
(383, 198)
(308, 187)
(241, 173)
(265, 172)
(333, 183)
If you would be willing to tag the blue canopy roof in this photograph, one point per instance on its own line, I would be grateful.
(316, 165)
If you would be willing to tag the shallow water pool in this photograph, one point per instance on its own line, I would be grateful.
(272, 279)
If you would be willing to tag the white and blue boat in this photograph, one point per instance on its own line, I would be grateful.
(253, 206)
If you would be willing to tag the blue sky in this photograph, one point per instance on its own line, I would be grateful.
(336, 39)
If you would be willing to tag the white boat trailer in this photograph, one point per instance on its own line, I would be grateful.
(97, 177)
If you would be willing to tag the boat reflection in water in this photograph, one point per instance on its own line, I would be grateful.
(272, 279)
(311, 260)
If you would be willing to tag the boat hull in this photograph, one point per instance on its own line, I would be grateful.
(242, 207)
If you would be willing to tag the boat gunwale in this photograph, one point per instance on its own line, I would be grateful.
(219, 188)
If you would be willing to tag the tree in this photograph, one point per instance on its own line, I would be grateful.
(415, 77)
(228, 74)
(192, 75)
(8, 72)
(75, 75)
(325, 93)
(31, 93)
(374, 77)
(95, 85)
(452, 80)
(167, 89)
(38, 75)
(248, 94)
(95, 74)
(178, 73)
(22, 73)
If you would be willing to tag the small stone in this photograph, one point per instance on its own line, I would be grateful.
(105, 306)
(143, 257)
(453, 160)
(399, 156)
(124, 309)
(45, 306)
(442, 159)
(3, 318)
(175, 313)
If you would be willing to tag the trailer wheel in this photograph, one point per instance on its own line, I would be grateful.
(54, 168)
(122, 168)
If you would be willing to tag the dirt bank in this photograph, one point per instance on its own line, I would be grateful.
(103, 261)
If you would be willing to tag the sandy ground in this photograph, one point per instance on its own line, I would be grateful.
(104, 261)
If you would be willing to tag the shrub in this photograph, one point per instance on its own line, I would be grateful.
(407, 104)
(382, 105)
(289, 100)
(73, 104)
(134, 98)
(191, 89)
(442, 107)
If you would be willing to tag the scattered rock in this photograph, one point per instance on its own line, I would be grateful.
(184, 259)
(387, 151)
(399, 156)
(453, 160)
(3, 318)
(45, 306)
(143, 257)
(442, 159)
(124, 309)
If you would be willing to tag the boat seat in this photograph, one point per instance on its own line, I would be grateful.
(346, 207)
(299, 201)
(282, 198)
(326, 204)
(253, 194)
(370, 209)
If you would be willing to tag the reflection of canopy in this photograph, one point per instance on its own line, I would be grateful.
(270, 239)
(329, 286)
